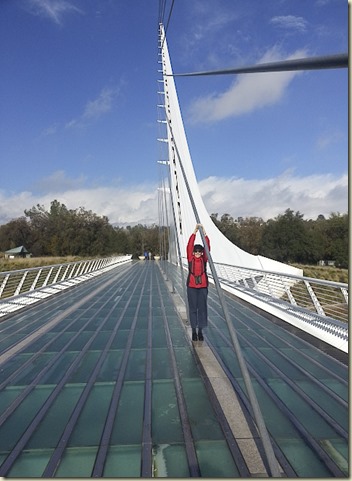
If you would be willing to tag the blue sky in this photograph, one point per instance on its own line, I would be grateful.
(78, 96)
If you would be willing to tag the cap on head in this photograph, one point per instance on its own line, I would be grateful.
(198, 248)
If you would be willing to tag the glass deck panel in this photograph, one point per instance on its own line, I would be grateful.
(123, 462)
(170, 460)
(201, 414)
(76, 463)
(30, 464)
(166, 423)
(128, 423)
(111, 366)
(161, 368)
(215, 460)
(90, 424)
(49, 431)
(105, 317)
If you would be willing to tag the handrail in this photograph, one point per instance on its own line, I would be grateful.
(22, 287)
(315, 306)
(326, 298)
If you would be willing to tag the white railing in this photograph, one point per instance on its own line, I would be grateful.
(318, 307)
(23, 287)
(325, 298)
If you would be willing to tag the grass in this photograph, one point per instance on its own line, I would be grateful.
(30, 262)
(327, 273)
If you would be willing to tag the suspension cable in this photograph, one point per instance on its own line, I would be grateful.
(272, 461)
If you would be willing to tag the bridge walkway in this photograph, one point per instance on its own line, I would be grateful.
(103, 381)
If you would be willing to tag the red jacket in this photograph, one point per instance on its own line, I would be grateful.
(197, 265)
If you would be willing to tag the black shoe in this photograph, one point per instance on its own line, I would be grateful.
(194, 336)
(200, 336)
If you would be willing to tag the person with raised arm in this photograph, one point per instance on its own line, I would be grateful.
(197, 284)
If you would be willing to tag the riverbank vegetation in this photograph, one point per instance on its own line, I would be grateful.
(64, 235)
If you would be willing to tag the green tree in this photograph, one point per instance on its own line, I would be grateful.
(285, 239)
(336, 231)
(250, 233)
(15, 233)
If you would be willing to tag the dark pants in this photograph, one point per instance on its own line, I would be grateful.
(198, 310)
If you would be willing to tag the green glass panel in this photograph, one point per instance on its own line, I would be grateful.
(158, 321)
(215, 460)
(12, 365)
(120, 339)
(310, 419)
(136, 365)
(50, 429)
(100, 341)
(173, 321)
(186, 364)
(127, 321)
(315, 369)
(7, 396)
(337, 387)
(17, 423)
(139, 338)
(278, 360)
(161, 364)
(111, 366)
(60, 342)
(202, 418)
(80, 341)
(230, 359)
(178, 336)
(277, 422)
(303, 460)
(123, 462)
(90, 424)
(338, 452)
(30, 464)
(76, 463)
(58, 370)
(28, 374)
(39, 343)
(170, 461)
(327, 403)
(159, 337)
(85, 368)
(166, 424)
(143, 319)
(128, 422)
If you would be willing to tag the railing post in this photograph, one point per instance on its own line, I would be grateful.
(47, 277)
(345, 294)
(19, 287)
(314, 298)
(3, 284)
(57, 274)
(34, 283)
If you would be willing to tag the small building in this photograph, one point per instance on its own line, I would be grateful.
(326, 263)
(20, 251)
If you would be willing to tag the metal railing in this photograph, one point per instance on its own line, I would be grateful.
(325, 298)
(25, 286)
(316, 306)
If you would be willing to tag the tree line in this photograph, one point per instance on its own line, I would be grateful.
(288, 238)
(60, 232)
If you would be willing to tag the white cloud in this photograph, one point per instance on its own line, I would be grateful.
(52, 9)
(96, 108)
(248, 93)
(290, 22)
(266, 198)
(327, 139)
(125, 205)
(138, 204)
